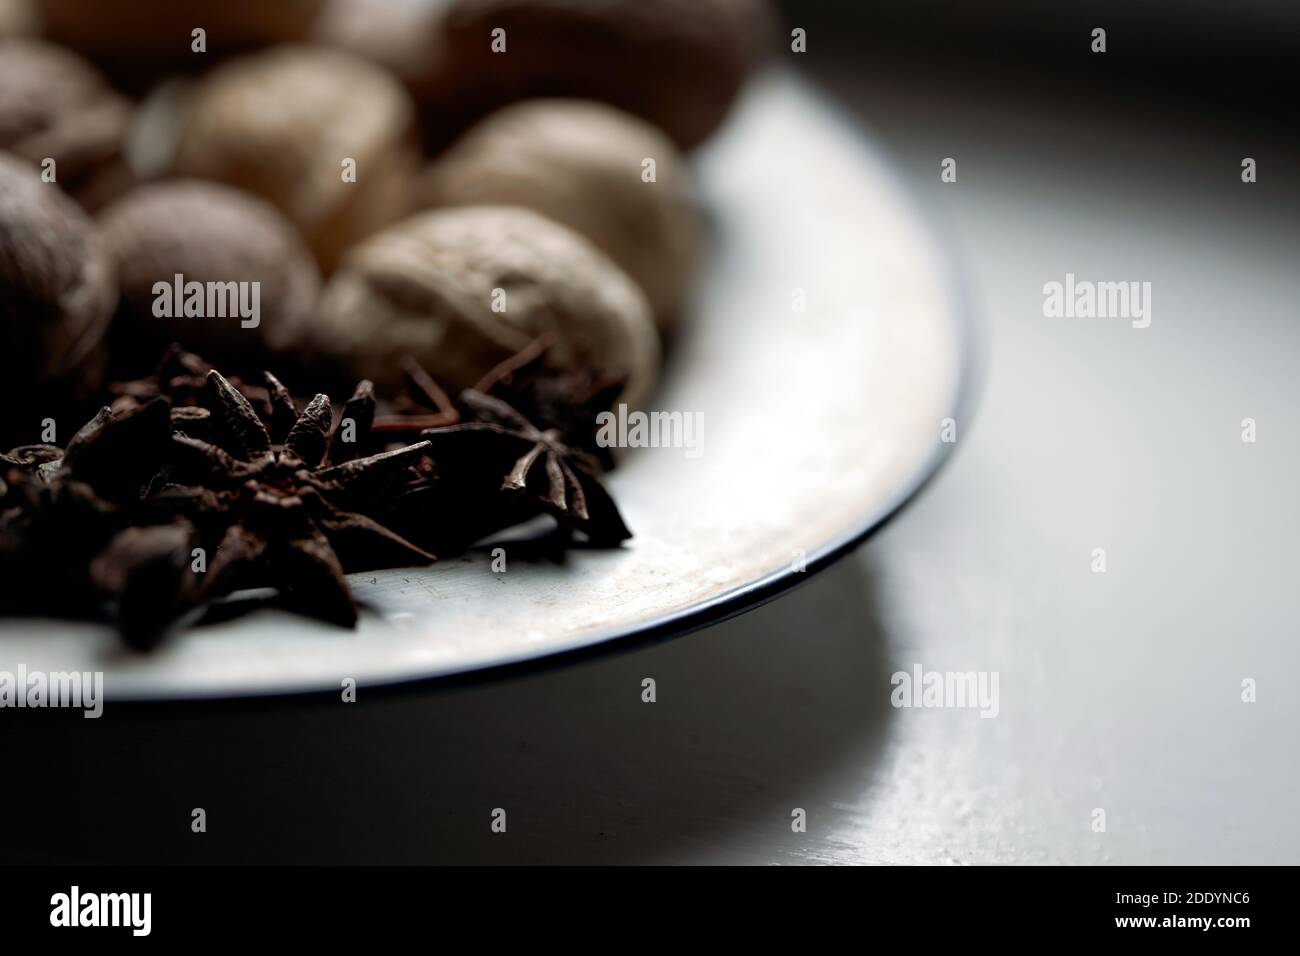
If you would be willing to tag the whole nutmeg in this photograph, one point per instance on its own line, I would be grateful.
(56, 106)
(56, 294)
(400, 35)
(18, 18)
(137, 42)
(459, 290)
(262, 278)
(328, 138)
(677, 63)
(602, 172)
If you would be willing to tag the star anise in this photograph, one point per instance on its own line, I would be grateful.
(505, 453)
(522, 443)
(566, 400)
(181, 378)
(50, 530)
(191, 466)
(65, 539)
(279, 513)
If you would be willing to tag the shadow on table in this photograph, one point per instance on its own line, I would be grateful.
(782, 708)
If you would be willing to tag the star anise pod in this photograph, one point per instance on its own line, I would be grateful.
(503, 452)
(111, 459)
(118, 452)
(147, 572)
(472, 489)
(181, 378)
(279, 514)
(50, 530)
(22, 463)
(567, 401)
(65, 536)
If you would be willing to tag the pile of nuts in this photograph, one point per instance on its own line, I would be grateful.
(351, 182)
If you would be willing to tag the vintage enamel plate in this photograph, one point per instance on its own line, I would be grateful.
(829, 345)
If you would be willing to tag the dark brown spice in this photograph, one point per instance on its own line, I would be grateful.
(531, 464)
(191, 468)
(566, 401)
(277, 515)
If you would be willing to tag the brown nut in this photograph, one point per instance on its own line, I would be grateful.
(206, 233)
(291, 125)
(461, 289)
(583, 164)
(18, 18)
(138, 42)
(677, 63)
(56, 291)
(56, 106)
(400, 35)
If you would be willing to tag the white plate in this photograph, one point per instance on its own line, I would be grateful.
(817, 425)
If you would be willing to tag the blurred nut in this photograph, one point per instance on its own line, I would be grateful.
(18, 18)
(138, 42)
(56, 292)
(581, 164)
(205, 233)
(54, 105)
(284, 125)
(461, 289)
(400, 35)
(677, 63)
